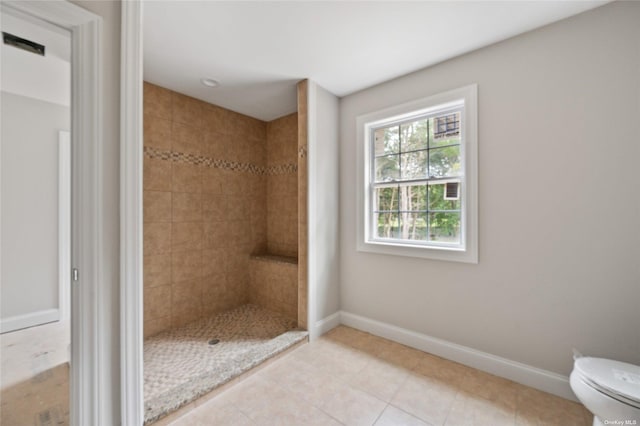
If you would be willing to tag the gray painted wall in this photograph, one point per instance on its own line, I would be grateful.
(323, 202)
(30, 204)
(558, 200)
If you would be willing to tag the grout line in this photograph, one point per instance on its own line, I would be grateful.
(380, 415)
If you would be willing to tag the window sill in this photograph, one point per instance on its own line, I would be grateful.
(452, 254)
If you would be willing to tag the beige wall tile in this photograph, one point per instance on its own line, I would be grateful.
(186, 207)
(186, 265)
(156, 325)
(205, 221)
(215, 235)
(157, 101)
(214, 208)
(157, 270)
(186, 236)
(157, 238)
(157, 302)
(186, 139)
(157, 175)
(282, 140)
(213, 180)
(214, 262)
(157, 206)
(215, 144)
(186, 299)
(186, 178)
(239, 207)
(187, 110)
(239, 235)
(157, 132)
(216, 119)
(216, 294)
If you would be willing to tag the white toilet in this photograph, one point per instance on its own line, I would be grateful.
(609, 389)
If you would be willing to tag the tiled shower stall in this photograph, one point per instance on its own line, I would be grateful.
(220, 210)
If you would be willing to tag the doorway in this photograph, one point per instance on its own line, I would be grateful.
(87, 362)
(36, 216)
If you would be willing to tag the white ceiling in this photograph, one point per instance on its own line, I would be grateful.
(259, 50)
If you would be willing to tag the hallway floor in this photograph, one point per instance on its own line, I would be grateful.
(353, 378)
(34, 378)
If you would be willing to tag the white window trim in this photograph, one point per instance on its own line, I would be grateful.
(469, 190)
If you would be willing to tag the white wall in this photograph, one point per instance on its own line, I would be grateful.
(559, 239)
(323, 205)
(29, 283)
(109, 345)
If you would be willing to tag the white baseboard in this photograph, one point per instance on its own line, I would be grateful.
(537, 378)
(326, 324)
(29, 320)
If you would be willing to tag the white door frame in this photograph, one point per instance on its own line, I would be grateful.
(131, 254)
(87, 364)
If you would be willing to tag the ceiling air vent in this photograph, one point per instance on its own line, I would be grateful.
(23, 43)
(452, 191)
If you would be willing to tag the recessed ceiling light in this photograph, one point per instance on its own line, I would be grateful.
(209, 82)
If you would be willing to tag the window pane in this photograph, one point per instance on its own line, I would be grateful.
(387, 225)
(437, 201)
(413, 226)
(444, 162)
(413, 197)
(445, 128)
(387, 140)
(414, 165)
(444, 227)
(386, 199)
(387, 168)
(414, 135)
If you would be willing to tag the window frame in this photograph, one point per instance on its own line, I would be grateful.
(465, 99)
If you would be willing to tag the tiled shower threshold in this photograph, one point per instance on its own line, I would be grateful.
(185, 363)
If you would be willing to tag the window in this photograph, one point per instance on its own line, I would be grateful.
(418, 168)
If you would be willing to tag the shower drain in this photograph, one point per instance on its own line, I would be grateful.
(214, 341)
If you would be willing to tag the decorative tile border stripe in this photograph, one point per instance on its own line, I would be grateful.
(199, 160)
(302, 151)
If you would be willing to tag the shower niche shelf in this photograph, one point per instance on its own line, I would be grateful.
(265, 257)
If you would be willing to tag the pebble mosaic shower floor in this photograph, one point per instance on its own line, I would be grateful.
(180, 365)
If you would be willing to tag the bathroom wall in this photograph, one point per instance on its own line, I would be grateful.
(204, 207)
(29, 285)
(282, 186)
(558, 112)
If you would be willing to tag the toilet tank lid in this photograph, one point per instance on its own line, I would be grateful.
(615, 376)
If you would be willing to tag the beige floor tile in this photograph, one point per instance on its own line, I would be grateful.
(304, 380)
(439, 368)
(266, 403)
(427, 398)
(392, 416)
(380, 379)
(213, 413)
(401, 355)
(539, 408)
(359, 340)
(588, 416)
(500, 391)
(353, 407)
(340, 361)
(472, 410)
